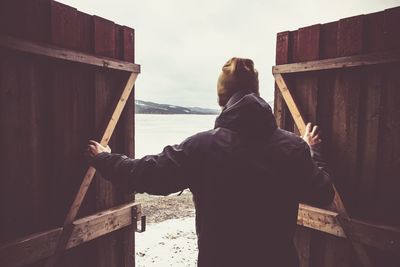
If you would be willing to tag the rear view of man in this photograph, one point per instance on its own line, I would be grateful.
(247, 176)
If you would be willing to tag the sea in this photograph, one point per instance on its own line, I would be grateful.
(155, 131)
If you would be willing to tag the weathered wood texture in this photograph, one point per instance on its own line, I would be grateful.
(339, 63)
(385, 238)
(359, 118)
(38, 246)
(48, 110)
(305, 90)
(66, 54)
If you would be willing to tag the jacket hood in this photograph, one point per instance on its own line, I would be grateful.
(247, 114)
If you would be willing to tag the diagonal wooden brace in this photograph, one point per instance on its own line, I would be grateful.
(301, 125)
(87, 179)
(32, 248)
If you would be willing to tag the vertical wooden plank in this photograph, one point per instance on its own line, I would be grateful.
(370, 117)
(305, 92)
(105, 45)
(71, 101)
(27, 20)
(391, 28)
(85, 120)
(105, 37)
(64, 25)
(328, 48)
(325, 246)
(8, 9)
(85, 76)
(293, 43)
(374, 32)
(387, 192)
(128, 44)
(328, 40)
(63, 33)
(306, 88)
(281, 112)
(290, 79)
(345, 132)
(308, 39)
(389, 151)
(350, 36)
(63, 130)
(23, 123)
(346, 112)
(128, 121)
(302, 242)
(119, 78)
(85, 29)
(124, 138)
(282, 48)
(388, 185)
(373, 83)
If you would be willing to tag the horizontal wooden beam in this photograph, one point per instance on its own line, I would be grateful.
(379, 236)
(12, 43)
(320, 219)
(41, 245)
(339, 63)
(382, 237)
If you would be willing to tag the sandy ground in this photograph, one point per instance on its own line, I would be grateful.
(170, 238)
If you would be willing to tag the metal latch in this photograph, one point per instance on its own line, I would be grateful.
(136, 214)
(142, 225)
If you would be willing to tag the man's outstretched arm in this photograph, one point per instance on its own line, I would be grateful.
(162, 174)
(317, 188)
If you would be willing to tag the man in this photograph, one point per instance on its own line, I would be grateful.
(247, 176)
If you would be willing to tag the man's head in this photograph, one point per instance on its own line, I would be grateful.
(238, 74)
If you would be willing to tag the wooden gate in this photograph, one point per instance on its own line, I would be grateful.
(61, 72)
(345, 76)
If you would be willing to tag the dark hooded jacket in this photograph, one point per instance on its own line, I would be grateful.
(247, 178)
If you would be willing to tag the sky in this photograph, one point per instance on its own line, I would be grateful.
(181, 45)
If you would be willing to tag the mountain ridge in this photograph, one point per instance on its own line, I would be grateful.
(148, 107)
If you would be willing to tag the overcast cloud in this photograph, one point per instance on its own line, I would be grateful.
(182, 44)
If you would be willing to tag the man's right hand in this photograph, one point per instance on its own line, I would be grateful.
(311, 135)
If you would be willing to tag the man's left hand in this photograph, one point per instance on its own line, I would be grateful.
(94, 148)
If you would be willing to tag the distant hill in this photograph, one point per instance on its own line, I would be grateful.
(145, 107)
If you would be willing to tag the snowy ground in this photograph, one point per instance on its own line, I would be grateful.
(169, 243)
(170, 237)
